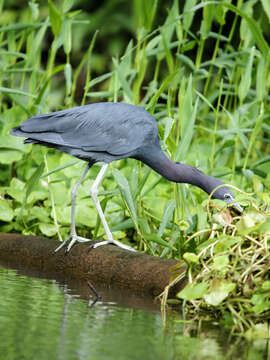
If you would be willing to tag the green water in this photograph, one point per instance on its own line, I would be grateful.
(42, 319)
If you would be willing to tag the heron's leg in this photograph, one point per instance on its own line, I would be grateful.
(94, 194)
(73, 236)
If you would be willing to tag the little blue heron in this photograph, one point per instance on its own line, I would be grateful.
(104, 132)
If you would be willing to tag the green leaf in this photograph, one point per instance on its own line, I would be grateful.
(40, 213)
(126, 193)
(261, 302)
(191, 258)
(188, 13)
(193, 291)
(60, 193)
(168, 212)
(208, 17)
(67, 5)
(63, 214)
(67, 39)
(158, 240)
(169, 122)
(10, 156)
(165, 83)
(221, 262)
(5, 90)
(123, 81)
(55, 17)
(100, 79)
(48, 229)
(6, 212)
(68, 77)
(220, 290)
(16, 189)
(266, 285)
(86, 215)
(254, 28)
(188, 115)
(34, 9)
(32, 182)
(266, 7)
(61, 167)
(246, 76)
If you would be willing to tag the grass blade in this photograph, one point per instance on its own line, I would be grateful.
(168, 212)
(126, 193)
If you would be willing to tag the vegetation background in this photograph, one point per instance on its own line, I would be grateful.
(202, 69)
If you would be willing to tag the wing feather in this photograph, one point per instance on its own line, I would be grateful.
(115, 128)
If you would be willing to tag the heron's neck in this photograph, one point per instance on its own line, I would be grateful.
(181, 173)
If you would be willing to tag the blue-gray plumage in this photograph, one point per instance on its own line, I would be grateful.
(104, 132)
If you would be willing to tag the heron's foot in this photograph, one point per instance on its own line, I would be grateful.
(114, 242)
(70, 241)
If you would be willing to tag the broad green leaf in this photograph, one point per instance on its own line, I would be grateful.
(261, 302)
(10, 156)
(221, 262)
(48, 229)
(158, 240)
(266, 285)
(40, 213)
(219, 291)
(193, 291)
(124, 225)
(86, 215)
(37, 195)
(60, 193)
(16, 190)
(6, 212)
(63, 214)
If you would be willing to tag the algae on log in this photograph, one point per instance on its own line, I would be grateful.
(107, 265)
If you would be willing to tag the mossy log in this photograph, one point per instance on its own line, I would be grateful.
(108, 265)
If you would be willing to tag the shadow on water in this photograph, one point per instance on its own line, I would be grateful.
(51, 319)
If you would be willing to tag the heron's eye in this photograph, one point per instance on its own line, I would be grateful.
(228, 197)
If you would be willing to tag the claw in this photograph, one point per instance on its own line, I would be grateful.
(69, 242)
(114, 242)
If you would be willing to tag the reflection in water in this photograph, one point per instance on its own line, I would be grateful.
(41, 319)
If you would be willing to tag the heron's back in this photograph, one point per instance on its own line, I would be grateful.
(100, 131)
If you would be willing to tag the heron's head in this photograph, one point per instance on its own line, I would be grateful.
(224, 193)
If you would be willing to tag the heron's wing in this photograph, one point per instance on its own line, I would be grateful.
(102, 127)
